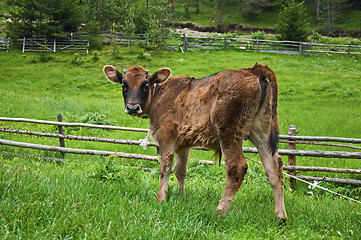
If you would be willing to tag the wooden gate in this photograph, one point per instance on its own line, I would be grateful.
(43, 44)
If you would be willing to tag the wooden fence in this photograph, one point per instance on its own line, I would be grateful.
(42, 44)
(126, 39)
(185, 43)
(291, 139)
(5, 44)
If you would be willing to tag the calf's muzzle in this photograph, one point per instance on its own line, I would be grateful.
(133, 109)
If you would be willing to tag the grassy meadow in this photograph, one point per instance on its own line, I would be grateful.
(92, 197)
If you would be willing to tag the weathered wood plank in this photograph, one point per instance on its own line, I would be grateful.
(73, 137)
(73, 124)
(327, 179)
(320, 169)
(77, 151)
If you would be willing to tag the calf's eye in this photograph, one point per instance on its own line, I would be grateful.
(146, 88)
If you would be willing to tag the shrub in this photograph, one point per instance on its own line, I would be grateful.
(259, 35)
(315, 36)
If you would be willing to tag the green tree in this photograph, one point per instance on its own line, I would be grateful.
(27, 17)
(293, 24)
(66, 14)
(129, 26)
(158, 32)
(43, 17)
(219, 11)
(106, 12)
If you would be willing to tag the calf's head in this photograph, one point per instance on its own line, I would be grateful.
(137, 85)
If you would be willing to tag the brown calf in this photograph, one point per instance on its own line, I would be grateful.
(217, 112)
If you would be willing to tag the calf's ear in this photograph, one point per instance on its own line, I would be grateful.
(112, 74)
(160, 76)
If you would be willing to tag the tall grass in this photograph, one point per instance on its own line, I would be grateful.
(90, 197)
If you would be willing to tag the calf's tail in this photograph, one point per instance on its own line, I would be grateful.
(265, 73)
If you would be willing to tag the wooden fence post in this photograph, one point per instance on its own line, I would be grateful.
(61, 131)
(225, 42)
(292, 131)
(8, 46)
(300, 49)
(257, 45)
(184, 42)
(349, 50)
(24, 45)
(54, 45)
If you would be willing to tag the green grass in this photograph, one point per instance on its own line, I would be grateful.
(104, 198)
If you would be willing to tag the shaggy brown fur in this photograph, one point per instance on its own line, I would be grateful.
(217, 112)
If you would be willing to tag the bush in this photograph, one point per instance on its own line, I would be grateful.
(93, 30)
(315, 36)
(259, 35)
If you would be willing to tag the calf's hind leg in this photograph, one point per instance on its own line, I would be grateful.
(236, 166)
(273, 168)
(180, 167)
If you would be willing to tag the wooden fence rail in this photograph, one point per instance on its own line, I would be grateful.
(291, 153)
(309, 153)
(73, 124)
(77, 151)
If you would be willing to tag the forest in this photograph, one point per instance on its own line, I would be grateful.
(52, 17)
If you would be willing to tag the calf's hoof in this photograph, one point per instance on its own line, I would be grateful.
(282, 221)
(220, 213)
(161, 197)
(222, 210)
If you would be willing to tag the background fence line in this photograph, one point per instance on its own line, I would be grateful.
(185, 43)
(291, 152)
